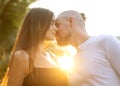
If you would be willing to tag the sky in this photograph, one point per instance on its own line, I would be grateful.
(103, 16)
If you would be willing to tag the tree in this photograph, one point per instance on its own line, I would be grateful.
(12, 13)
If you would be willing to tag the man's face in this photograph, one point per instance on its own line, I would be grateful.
(63, 35)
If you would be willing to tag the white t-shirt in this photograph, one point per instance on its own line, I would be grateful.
(97, 62)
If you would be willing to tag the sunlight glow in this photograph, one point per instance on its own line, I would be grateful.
(70, 49)
(65, 63)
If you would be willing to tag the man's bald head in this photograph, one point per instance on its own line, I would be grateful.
(78, 17)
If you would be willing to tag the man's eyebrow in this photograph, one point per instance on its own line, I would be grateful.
(53, 20)
(56, 21)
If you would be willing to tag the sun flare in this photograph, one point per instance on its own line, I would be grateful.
(65, 63)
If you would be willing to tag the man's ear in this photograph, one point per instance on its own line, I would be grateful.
(71, 21)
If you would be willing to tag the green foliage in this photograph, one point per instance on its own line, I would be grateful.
(3, 64)
(12, 13)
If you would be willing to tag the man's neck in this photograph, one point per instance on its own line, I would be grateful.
(77, 40)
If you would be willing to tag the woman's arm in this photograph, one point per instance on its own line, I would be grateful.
(18, 69)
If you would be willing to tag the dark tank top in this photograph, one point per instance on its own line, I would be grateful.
(46, 77)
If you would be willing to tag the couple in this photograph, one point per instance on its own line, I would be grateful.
(96, 62)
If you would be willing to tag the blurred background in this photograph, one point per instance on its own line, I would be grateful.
(12, 13)
(11, 16)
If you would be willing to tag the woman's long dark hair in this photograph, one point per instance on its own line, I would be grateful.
(31, 34)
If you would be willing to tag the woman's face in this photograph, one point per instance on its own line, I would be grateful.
(51, 33)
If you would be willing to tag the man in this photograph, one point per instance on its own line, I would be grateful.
(98, 57)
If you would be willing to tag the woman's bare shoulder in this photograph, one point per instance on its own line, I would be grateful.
(21, 60)
(21, 55)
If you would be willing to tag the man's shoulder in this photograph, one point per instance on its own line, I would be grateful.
(102, 39)
(104, 36)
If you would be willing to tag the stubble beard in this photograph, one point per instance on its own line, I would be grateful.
(64, 41)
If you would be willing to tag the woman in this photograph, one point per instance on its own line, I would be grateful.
(29, 64)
